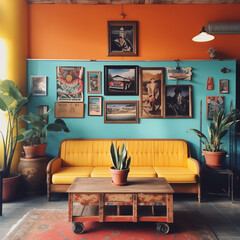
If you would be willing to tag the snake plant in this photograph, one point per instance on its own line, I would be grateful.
(120, 160)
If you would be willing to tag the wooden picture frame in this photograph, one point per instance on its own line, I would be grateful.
(94, 82)
(151, 92)
(121, 112)
(69, 110)
(94, 105)
(214, 103)
(121, 80)
(38, 85)
(223, 86)
(42, 109)
(122, 38)
(178, 101)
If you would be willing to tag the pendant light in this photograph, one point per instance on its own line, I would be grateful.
(203, 36)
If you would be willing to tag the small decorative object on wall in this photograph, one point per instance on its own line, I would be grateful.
(122, 38)
(93, 82)
(210, 83)
(121, 112)
(223, 86)
(212, 52)
(120, 80)
(43, 109)
(178, 101)
(225, 70)
(214, 103)
(69, 110)
(39, 85)
(151, 92)
(179, 73)
(70, 84)
(95, 106)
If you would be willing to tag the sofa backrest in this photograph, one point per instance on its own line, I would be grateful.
(144, 152)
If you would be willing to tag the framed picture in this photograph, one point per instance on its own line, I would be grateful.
(95, 106)
(151, 95)
(93, 82)
(70, 84)
(120, 80)
(42, 109)
(121, 112)
(69, 110)
(214, 103)
(178, 101)
(122, 38)
(39, 85)
(223, 86)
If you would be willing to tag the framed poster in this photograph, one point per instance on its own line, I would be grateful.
(69, 110)
(214, 103)
(151, 97)
(223, 86)
(122, 38)
(120, 80)
(178, 101)
(121, 112)
(70, 84)
(93, 82)
(95, 106)
(39, 85)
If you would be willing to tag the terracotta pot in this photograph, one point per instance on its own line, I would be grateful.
(10, 187)
(33, 171)
(41, 149)
(215, 160)
(119, 177)
(30, 151)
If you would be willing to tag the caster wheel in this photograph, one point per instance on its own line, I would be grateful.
(78, 228)
(163, 228)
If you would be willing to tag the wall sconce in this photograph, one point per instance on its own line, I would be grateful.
(203, 36)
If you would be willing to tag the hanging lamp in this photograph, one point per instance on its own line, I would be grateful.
(203, 36)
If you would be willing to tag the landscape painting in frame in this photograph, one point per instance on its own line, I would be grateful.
(178, 101)
(93, 82)
(151, 92)
(121, 112)
(39, 85)
(95, 106)
(214, 103)
(120, 80)
(70, 84)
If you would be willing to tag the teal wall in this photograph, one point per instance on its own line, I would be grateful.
(94, 126)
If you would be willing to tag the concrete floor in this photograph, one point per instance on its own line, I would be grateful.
(220, 214)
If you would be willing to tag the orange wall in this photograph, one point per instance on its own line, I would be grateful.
(165, 31)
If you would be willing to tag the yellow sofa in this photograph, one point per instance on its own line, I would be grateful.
(169, 158)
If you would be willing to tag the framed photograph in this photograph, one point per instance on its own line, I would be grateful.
(95, 106)
(223, 86)
(122, 38)
(214, 103)
(69, 110)
(70, 84)
(178, 101)
(93, 82)
(151, 85)
(121, 112)
(120, 80)
(42, 109)
(39, 85)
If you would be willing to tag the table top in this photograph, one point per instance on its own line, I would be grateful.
(134, 185)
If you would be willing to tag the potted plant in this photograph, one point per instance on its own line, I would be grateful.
(11, 102)
(121, 164)
(34, 137)
(214, 152)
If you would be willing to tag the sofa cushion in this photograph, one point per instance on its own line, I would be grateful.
(176, 174)
(66, 175)
(101, 172)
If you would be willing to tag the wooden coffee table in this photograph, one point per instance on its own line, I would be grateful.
(142, 199)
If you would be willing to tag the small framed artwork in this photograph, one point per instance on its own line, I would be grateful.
(121, 112)
(122, 38)
(95, 106)
(151, 95)
(214, 103)
(223, 86)
(39, 85)
(69, 110)
(178, 101)
(120, 80)
(93, 82)
(70, 84)
(43, 109)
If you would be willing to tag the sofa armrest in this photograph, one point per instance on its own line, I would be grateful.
(54, 165)
(193, 165)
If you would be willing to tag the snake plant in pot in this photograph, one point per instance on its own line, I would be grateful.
(214, 152)
(121, 163)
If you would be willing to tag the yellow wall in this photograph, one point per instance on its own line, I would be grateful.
(14, 42)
